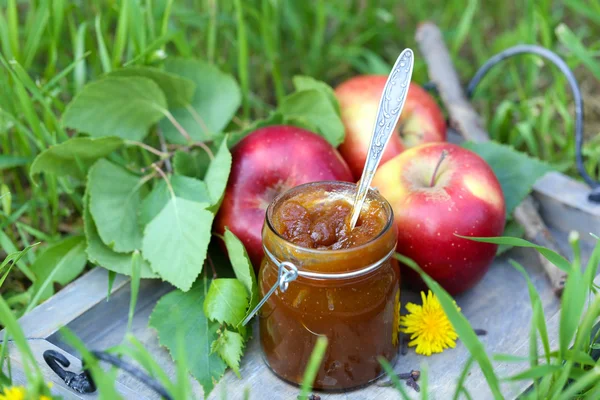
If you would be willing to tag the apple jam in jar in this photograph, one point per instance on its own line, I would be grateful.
(331, 281)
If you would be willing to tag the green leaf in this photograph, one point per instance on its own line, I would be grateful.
(184, 187)
(550, 255)
(193, 164)
(8, 161)
(229, 346)
(102, 255)
(176, 240)
(74, 157)
(215, 102)
(275, 118)
(181, 312)
(66, 256)
(241, 265)
(178, 91)
(117, 106)
(516, 172)
(226, 301)
(461, 325)
(114, 203)
(218, 174)
(315, 106)
(306, 83)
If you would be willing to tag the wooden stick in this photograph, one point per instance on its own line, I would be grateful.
(466, 121)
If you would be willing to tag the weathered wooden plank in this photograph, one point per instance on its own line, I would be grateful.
(71, 302)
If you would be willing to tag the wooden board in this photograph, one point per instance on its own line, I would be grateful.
(498, 304)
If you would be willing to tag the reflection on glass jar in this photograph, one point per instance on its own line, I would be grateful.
(350, 295)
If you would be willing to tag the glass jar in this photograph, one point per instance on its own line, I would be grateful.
(351, 296)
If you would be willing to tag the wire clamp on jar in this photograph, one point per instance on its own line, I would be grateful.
(287, 272)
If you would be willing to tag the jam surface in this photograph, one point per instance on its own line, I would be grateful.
(358, 315)
(316, 220)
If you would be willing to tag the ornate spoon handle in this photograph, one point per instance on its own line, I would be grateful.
(390, 107)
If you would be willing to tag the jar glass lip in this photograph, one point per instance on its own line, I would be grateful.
(372, 194)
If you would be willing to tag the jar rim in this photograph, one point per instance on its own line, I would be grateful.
(330, 275)
(348, 185)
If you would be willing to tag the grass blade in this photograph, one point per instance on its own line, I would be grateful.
(461, 324)
(460, 384)
(102, 52)
(121, 34)
(538, 317)
(550, 255)
(12, 17)
(242, 45)
(393, 377)
(464, 26)
(136, 265)
(312, 368)
(34, 36)
(79, 72)
(572, 42)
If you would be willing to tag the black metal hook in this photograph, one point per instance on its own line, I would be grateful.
(83, 382)
(577, 98)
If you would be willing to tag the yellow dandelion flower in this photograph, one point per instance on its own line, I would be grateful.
(17, 393)
(428, 326)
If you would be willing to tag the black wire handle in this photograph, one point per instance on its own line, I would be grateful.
(83, 382)
(577, 98)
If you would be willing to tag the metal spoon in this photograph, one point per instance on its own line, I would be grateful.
(390, 107)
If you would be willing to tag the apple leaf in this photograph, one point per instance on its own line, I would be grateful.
(314, 106)
(215, 101)
(176, 241)
(516, 171)
(192, 164)
(179, 313)
(226, 301)
(100, 254)
(229, 346)
(74, 156)
(114, 203)
(241, 265)
(218, 174)
(116, 106)
(275, 118)
(302, 82)
(183, 186)
(66, 256)
(178, 91)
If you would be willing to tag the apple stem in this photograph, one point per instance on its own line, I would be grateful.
(437, 167)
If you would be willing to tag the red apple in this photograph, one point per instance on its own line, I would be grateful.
(265, 163)
(438, 190)
(421, 120)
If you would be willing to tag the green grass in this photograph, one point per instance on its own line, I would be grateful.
(51, 48)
